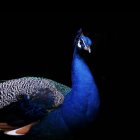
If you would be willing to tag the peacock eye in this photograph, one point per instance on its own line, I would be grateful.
(81, 42)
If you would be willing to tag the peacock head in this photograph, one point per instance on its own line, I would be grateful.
(83, 42)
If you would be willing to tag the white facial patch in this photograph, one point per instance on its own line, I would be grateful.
(79, 45)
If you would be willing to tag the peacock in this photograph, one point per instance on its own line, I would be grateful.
(54, 110)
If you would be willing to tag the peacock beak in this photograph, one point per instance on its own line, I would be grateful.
(88, 49)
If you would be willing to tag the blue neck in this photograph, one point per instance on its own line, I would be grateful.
(81, 105)
(82, 79)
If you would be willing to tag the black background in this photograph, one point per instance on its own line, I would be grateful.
(40, 44)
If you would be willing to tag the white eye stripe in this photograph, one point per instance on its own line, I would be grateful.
(84, 43)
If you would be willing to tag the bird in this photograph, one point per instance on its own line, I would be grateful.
(74, 108)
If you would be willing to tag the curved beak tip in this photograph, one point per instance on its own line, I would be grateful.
(88, 49)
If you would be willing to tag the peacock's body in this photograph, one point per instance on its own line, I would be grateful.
(76, 111)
